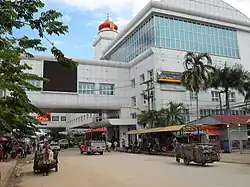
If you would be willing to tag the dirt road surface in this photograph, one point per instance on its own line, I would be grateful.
(130, 170)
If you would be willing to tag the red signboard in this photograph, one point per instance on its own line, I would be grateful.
(45, 117)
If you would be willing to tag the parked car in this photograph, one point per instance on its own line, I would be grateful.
(54, 146)
(64, 144)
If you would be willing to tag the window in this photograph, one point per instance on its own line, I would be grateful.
(180, 34)
(142, 78)
(141, 39)
(63, 118)
(193, 36)
(35, 83)
(55, 118)
(107, 89)
(151, 74)
(133, 115)
(232, 97)
(193, 95)
(86, 88)
(215, 96)
(186, 115)
(133, 101)
(133, 83)
(142, 99)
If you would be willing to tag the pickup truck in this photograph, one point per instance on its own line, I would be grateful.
(64, 143)
(54, 146)
(96, 147)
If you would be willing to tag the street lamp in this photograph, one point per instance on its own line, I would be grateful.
(239, 133)
(228, 137)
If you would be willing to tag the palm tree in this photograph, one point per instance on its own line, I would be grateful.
(198, 74)
(231, 78)
(175, 113)
(148, 117)
(172, 115)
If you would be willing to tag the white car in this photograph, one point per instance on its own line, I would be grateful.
(54, 146)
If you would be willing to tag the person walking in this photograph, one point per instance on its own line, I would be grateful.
(1, 152)
(115, 145)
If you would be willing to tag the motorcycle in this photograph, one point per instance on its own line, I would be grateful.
(150, 148)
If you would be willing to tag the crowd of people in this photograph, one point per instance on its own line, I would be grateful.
(12, 149)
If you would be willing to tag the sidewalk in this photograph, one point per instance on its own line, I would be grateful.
(5, 171)
(235, 158)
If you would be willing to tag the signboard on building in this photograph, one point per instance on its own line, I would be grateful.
(44, 117)
(169, 77)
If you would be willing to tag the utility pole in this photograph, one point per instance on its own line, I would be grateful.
(149, 94)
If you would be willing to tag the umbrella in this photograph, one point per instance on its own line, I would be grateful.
(3, 139)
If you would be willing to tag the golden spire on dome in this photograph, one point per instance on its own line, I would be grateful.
(107, 16)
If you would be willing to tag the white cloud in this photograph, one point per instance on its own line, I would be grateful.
(66, 19)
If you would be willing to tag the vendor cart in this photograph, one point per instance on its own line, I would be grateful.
(198, 153)
(39, 165)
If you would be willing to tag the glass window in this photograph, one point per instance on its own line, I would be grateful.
(157, 29)
(232, 97)
(86, 88)
(193, 95)
(106, 89)
(133, 83)
(55, 118)
(215, 96)
(151, 74)
(142, 78)
(133, 101)
(63, 118)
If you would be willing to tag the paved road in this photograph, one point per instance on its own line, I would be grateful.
(129, 170)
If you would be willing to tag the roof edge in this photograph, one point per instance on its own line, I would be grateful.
(162, 6)
(93, 62)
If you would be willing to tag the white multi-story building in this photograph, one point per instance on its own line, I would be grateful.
(151, 46)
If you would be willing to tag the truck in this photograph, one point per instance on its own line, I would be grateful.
(199, 153)
(64, 143)
(95, 141)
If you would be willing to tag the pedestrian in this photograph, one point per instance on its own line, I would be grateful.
(1, 152)
(115, 145)
(47, 159)
(108, 144)
(123, 143)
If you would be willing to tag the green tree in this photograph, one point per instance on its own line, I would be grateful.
(173, 114)
(228, 78)
(15, 106)
(148, 117)
(198, 74)
(176, 113)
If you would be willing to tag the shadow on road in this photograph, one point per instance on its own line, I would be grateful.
(191, 165)
(37, 174)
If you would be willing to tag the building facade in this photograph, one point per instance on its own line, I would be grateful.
(151, 46)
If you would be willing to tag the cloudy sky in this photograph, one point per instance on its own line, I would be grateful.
(84, 16)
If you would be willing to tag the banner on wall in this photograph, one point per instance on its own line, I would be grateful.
(169, 77)
(45, 117)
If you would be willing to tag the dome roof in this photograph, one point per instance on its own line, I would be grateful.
(107, 24)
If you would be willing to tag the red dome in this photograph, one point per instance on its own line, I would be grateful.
(108, 25)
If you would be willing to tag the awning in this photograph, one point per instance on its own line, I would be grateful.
(174, 128)
(136, 131)
(164, 129)
(100, 130)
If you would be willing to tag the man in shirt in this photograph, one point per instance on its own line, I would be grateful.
(48, 159)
